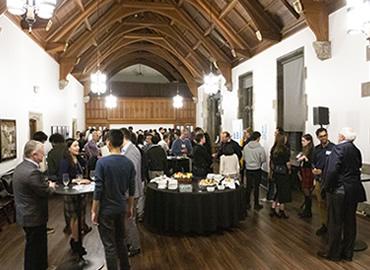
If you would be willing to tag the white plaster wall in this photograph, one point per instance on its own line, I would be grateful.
(24, 64)
(335, 83)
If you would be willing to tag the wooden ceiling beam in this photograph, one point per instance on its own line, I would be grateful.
(227, 9)
(196, 71)
(234, 40)
(192, 82)
(2, 6)
(108, 20)
(291, 9)
(164, 32)
(317, 18)
(161, 66)
(70, 26)
(55, 47)
(261, 19)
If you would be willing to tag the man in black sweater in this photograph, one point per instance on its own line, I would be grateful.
(155, 159)
(202, 160)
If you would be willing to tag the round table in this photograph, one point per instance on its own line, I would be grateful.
(171, 211)
(78, 191)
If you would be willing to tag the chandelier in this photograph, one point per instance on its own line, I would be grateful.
(98, 80)
(44, 9)
(110, 101)
(358, 19)
(211, 83)
(178, 101)
(98, 83)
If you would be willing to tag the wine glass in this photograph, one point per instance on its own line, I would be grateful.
(79, 178)
(65, 179)
(92, 175)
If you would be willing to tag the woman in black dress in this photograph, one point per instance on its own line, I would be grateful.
(280, 166)
(71, 165)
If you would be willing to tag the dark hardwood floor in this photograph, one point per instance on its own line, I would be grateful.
(261, 242)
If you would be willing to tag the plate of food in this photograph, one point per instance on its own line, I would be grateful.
(207, 182)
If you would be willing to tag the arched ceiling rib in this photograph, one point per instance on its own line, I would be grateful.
(179, 34)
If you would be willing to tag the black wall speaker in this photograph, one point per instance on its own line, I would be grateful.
(321, 116)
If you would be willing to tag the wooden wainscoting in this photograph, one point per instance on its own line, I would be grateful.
(140, 111)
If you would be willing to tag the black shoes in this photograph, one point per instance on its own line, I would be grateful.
(325, 255)
(305, 214)
(258, 207)
(283, 214)
(77, 248)
(323, 230)
(133, 252)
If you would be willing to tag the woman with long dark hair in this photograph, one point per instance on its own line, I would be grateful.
(280, 166)
(71, 165)
(305, 174)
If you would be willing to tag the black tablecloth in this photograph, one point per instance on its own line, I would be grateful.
(169, 211)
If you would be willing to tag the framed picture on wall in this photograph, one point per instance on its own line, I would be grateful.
(8, 140)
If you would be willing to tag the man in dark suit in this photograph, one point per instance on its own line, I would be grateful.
(344, 191)
(31, 201)
(227, 142)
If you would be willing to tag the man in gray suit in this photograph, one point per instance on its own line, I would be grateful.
(31, 201)
(132, 153)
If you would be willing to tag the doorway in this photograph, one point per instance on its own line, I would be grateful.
(291, 98)
(214, 116)
(245, 95)
(34, 122)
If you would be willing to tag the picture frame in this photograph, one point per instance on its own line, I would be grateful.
(8, 139)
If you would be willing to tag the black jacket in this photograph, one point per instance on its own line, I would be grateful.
(155, 158)
(31, 192)
(201, 158)
(343, 169)
(236, 149)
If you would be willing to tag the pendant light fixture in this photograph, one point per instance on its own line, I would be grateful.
(178, 101)
(43, 9)
(110, 101)
(211, 80)
(98, 80)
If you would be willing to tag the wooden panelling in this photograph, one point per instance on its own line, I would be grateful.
(136, 89)
(139, 111)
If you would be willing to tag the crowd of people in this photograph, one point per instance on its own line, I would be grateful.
(122, 161)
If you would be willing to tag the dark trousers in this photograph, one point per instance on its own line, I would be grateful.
(253, 182)
(341, 225)
(36, 250)
(111, 231)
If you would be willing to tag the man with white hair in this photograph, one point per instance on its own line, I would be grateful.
(344, 191)
(31, 192)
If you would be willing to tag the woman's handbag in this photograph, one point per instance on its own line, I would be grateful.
(280, 169)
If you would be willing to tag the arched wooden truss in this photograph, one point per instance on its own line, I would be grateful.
(179, 38)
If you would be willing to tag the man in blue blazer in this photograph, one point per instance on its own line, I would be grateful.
(344, 191)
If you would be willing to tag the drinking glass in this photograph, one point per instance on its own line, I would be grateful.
(65, 179)
(92, 175)
(79, 178)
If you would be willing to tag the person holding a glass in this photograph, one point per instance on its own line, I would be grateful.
(71, 169)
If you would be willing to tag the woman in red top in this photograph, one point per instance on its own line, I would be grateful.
(306, 176)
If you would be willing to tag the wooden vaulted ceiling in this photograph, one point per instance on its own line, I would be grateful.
(179, 38)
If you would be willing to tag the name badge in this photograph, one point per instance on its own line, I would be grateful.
(327, 153)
